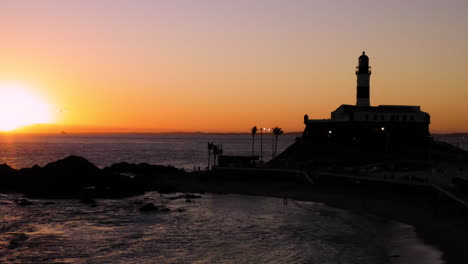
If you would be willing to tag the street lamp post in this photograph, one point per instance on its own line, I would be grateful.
(272, 143)
(261, 143)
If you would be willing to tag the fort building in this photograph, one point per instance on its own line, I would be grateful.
(366, 124)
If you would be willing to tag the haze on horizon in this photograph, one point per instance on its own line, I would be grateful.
(224, 66)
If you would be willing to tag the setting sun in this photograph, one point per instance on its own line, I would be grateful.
(20, 107)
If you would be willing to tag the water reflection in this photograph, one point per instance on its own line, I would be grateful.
(213, 229)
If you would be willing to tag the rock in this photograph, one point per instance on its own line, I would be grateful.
(66, 178)
(9, 179)
(48, 203)
(149, 207)
(17, 241)
(192, 196)
(89, 201)
(163, 208)
(7, 171)
(137, 202)
(185, 196)
(24, 202)
(140, 169)
(188, 201)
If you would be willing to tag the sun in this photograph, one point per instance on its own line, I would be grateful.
(19, 107)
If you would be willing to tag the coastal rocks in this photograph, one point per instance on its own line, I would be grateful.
(24, 202)
(76, 177)
(65, 178)
(187, 197)
(150, 207)
(140, 170)
(8, 177)
(17, 241)
(192, 196)
(144, 177)
(7, 171)
(89, 201)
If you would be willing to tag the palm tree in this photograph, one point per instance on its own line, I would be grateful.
(219, 152)
(210, 148)
(277, 131)
(253, 131)
(216, 151)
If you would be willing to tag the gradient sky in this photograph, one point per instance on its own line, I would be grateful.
(155, 66)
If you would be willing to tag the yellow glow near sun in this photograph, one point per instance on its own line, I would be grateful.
(20, 107)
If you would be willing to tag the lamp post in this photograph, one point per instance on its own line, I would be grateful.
(272, 142)
(261, 143)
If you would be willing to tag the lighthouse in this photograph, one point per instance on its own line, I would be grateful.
(363, 72)
(363, 124)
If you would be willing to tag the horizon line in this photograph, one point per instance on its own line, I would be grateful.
(5, 133)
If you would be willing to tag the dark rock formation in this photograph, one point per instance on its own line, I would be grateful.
(89, 201)
(185, 196)
(63, 178)
(76, 177)
(8, 178)
(150, 207)
(17, 241)
(24, 202)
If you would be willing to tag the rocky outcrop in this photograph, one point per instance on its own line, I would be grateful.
(76, 177)
(8, 178)
(68, 177)
(186, 196)
(150, 207)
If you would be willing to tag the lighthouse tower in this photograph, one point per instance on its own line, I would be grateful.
(363, 72)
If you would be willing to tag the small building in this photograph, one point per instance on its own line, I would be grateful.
(366, 124)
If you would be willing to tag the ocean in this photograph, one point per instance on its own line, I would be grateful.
(180, 150)
(212, 229)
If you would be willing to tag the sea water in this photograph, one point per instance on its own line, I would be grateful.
(211, 229)
(179, 150)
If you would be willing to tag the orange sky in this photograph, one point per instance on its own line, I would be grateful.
(224, 66)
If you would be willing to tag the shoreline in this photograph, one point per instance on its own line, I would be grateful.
(442, 227)
(437, 221)
(400, 241)
(405, 246)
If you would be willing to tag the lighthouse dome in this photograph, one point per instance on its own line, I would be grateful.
(363, 58)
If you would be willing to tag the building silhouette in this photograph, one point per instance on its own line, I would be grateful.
(366, 124)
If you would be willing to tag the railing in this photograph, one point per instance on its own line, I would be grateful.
(369, 70)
